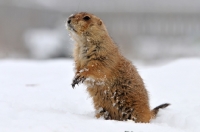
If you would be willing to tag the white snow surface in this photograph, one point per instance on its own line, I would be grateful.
(36, 96)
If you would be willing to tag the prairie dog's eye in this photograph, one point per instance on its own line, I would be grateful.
(86, 18)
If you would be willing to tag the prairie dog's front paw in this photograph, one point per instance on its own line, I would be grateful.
(77, 79)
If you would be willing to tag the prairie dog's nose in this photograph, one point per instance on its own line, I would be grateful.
(69, 21)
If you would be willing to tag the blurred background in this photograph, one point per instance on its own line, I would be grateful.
(145, 30)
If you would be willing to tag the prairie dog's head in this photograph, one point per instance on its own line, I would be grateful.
(84, 24)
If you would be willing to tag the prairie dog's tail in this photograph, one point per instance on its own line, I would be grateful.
(156, 109)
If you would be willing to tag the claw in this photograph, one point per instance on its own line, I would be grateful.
(73, 85)
(83, 79)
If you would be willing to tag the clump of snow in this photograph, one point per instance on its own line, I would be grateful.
(71, 15)
(100, 83)
(105, 92)
(92, 82)
(84, 70)
(88, 40)
(36, 96)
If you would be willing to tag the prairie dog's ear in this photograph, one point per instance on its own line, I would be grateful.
(99, 22)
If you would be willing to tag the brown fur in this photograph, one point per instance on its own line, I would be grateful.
(117, 90)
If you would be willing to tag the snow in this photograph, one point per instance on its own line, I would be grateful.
(37, 96)
(83, 70)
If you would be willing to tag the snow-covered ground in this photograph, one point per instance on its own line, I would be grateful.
(36, 96)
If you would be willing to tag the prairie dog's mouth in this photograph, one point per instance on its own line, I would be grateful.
(69, 25)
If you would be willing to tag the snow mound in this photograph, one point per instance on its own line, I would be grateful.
(36, 96)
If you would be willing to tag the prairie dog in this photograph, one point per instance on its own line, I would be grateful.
(117, 90)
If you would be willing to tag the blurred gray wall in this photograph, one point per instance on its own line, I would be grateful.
(144, 29)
